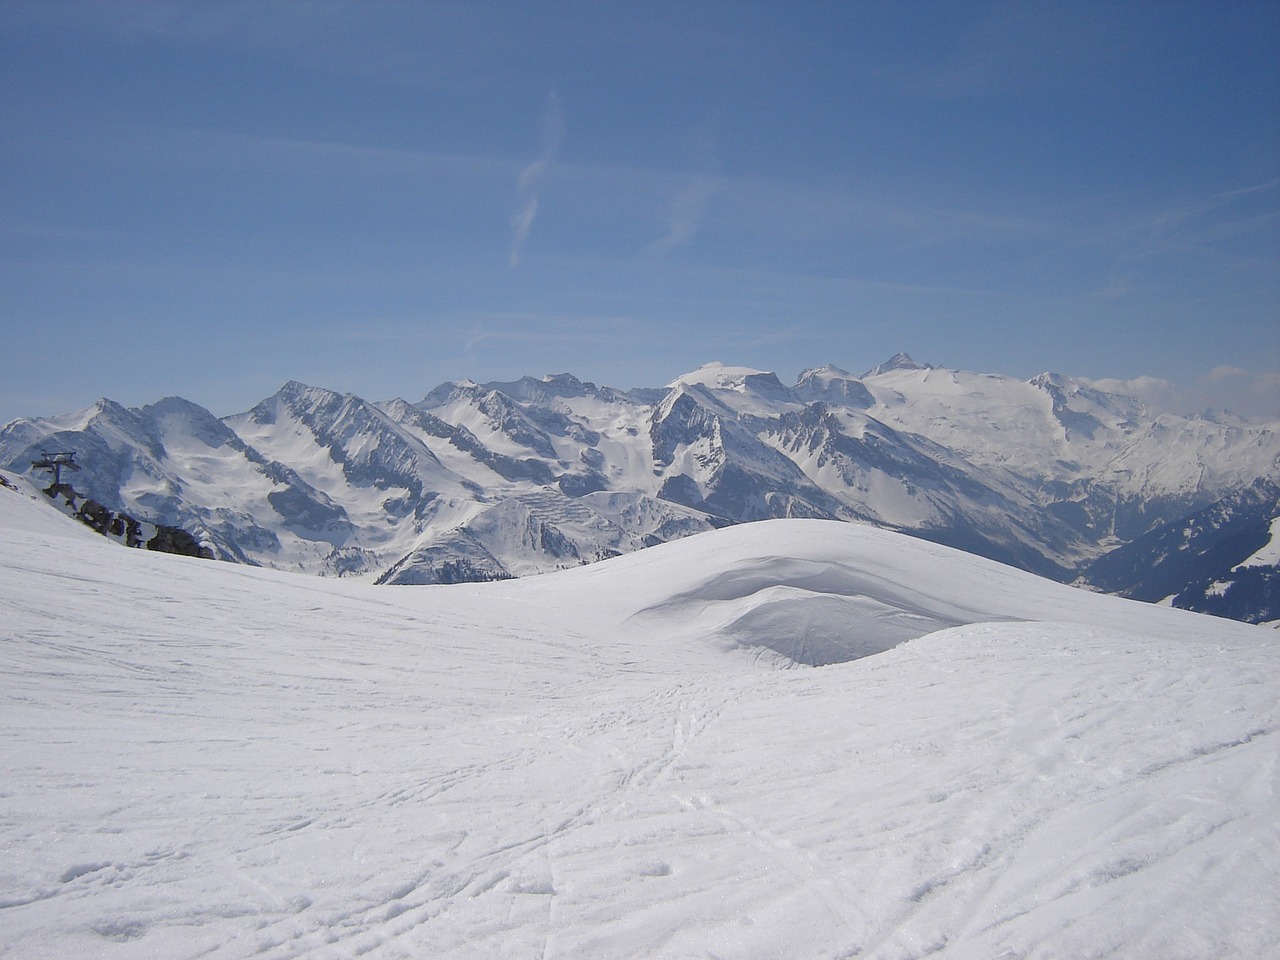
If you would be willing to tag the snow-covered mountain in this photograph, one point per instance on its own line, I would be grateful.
(488, 481)
(1224, 559)
(213, 760)
(1100, 461)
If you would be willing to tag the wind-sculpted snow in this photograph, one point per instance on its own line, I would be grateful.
(211, 760)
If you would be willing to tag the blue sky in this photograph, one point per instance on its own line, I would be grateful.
(210, 198)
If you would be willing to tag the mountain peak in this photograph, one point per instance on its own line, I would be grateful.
(563, 379)
(827, 371)
(294, 395)
(105, 405)
(830, 384)
(1049, 379)
(167, 406)
(295, 390)
(899, 361)
(717, 375)
(744, 389)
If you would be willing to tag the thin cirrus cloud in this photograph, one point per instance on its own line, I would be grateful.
(531, 177)
(686, 213)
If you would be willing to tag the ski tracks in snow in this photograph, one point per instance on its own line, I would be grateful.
(207, 761)
(551, 809)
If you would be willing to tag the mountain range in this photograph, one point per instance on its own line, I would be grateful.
(488, 481)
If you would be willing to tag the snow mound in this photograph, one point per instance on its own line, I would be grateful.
(817, 592)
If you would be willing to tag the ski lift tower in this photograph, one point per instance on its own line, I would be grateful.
(56, 463)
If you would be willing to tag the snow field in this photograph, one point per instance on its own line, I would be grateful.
(201, 759)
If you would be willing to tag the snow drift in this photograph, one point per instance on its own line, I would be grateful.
(214, 760)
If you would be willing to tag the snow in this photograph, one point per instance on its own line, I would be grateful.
(717, 375)
(206, 759)
(323, 482)
(743, 390)
(1268, 554)
(997, 421)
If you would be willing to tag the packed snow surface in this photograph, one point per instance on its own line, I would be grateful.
(209, 760)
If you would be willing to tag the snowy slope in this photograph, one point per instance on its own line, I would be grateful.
(213, 760)
(1101, 459)
(1221, 560)
(1206, 546)
(1269, 553)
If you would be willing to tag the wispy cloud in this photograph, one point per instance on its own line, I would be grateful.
(1249, 393)
(521, 225)
(1254, 394)
(686, 213)
(1189, 231)
(530, 180)
(1153, 391)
